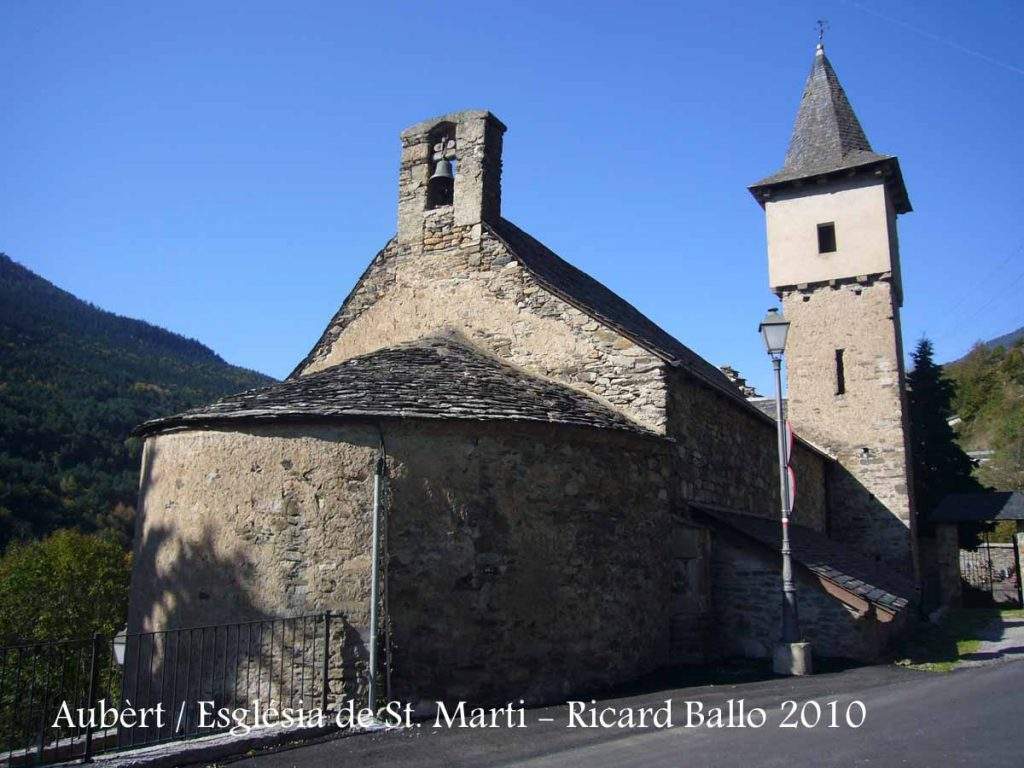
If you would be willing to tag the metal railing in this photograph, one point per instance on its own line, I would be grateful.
(72, 699)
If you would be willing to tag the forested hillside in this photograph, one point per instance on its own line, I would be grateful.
(990, 402)
(74, 381)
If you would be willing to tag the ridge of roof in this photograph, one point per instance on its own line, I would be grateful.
(837, 563)
(593, 298)
(435, 377)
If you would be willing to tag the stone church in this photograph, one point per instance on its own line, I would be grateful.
(571, 496)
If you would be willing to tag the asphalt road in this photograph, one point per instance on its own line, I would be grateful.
(968, 717)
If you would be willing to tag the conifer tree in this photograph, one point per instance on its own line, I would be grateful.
(940, 466)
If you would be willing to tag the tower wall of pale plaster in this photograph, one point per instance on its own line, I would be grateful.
(864, 226)
(864, 427)
(457, 281)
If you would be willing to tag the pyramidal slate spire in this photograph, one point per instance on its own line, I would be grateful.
(828, 138)
(827, 134)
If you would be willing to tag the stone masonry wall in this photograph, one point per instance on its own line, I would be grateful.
(940, 566)
(692, 630)
(747, 607)
(518, 565)
(726, 456)
(269, 522)
(481, 291)
(863, 427)
(990, 572)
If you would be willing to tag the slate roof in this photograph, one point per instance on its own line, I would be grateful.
(591, 297)
(978, 507)
(826, 558)
(582, 291)
(579, 289)
(827, 137)
(432, 378)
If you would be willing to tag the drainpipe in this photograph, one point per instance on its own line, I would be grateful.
(378, 480)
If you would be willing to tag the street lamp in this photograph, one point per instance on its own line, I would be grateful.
(774, 328)
(120, 642)
(792, 656)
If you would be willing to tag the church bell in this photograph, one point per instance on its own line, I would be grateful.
(443, 170)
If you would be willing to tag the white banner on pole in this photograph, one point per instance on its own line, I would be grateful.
(791, 475)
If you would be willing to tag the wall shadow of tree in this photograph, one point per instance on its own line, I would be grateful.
(198, 632)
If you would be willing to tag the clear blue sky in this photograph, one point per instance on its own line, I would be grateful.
(227, 170)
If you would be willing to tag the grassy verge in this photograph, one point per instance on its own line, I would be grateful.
(939, 647)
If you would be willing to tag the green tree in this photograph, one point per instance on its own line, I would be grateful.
(1005, 471)
(990, 399)
(940, 466)
(74, 382)
(66, 586)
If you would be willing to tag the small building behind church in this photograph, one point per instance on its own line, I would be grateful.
(572, 497)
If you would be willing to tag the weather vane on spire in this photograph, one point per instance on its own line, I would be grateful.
(822, 27)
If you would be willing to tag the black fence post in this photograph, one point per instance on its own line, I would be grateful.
(327, 654)
(94, 670)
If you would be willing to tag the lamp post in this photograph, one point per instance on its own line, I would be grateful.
(792, 656)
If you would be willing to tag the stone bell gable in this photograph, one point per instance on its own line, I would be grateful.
(469, 143)
(457, 265)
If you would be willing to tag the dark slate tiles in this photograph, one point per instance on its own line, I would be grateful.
(976, 507)
(594, 299)
(827, 134)
(766, 405)
(827, 137)
(433, 378)
(831, 560)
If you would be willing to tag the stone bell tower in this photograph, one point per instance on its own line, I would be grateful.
(450, 178)
(833, 260)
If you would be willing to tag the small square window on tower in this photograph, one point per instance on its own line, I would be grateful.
(827, 237)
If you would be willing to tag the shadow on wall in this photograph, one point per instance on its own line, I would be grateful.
(746, 594)
(519, 563)
(191, 652)
(858, 518)
(197, 632)
(177, 583)
(180, 581)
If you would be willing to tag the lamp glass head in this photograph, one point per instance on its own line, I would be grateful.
(120, 642)
(774, 329)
